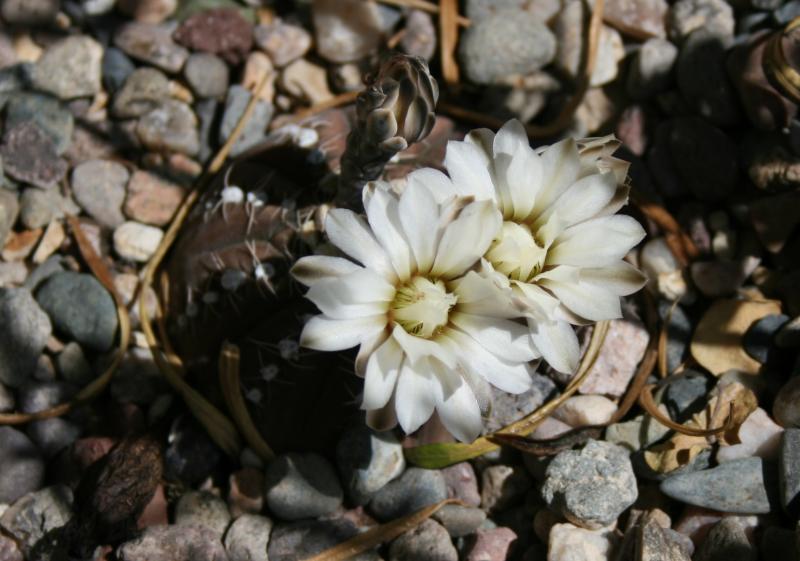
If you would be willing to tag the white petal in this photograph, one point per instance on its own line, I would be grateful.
(511, 139)
(582, 200)
(466, 239)
(524, 178)
(315, 268)
(597, 242)
(418, 349)
(382, 370)
(466, 165)
(382, 419)
(558, 344)
(539, 303)
(560, 167)
(511, 377)
(415, 397)
(351, 233)
(621, 278)
(418, 212)
(439, 185)
(460, 413)
(587, 301)
(503, 337)
(363, 293)
(384, 219)
(322, 333)
(480, 295)
(482, 139)
(365, 350)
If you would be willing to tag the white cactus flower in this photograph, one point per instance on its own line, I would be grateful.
(561, 243)
(432, 331)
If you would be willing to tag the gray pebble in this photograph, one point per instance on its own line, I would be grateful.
(367, 461)
(138, 379)
(153, 44)
(247, 538)
(207, 74)
(29, 12)
(7, 401)
(506, 408)
(51, 266)
(742, 486)
(15, 78)
(758, 340)
(462, 484)
(99, 187)
(201, 508)
(73, 366)
(255, 128)
(786, 407)
(301, 486)
(38, 208)
(651, 68)
(412, 491)
(116, 69)
(460, 520)
(427, 542)
(686, 16)
(21, 465)
(24, 331)
(35, 514)
(506, 44)
(29, 155)
(590, 487)
(726, 541)
(679, 330)
(172, 126)
(789, 334)
(686, 394)
(705, 157)
(38, 396)
(789, 464)
(503, 486)
(9, 209)
(81, 308)
(301, 540)
(206, 111)
(53, 435)
(143, 90)
(173, 543)
(283, 42)
(191, 455)
(70, 68)
(47, 112)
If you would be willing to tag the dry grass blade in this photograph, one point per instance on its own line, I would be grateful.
(229, 359)
(425, 7)
(437, 456)
(649, 405)
(94, 388)
(448, 36)
(681, 245)
(376, 536)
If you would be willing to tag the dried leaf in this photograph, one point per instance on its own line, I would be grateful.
(717, 341)
(676, 452)
(734, 402)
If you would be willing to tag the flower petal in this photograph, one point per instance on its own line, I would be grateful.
(597, 242)
(459, 410)
(351, 233)
(621, 278)
(467, 166)
(322, 333)
(382, 419)
(558, 344)
(384, 219)
(363, 293)
(502, 337)
(418, 212)
(486, 296)
(511, 139)
(466, 239)
(588, 301)
(415, 396)
(560, 167)
(524, 178)
(483, 139)
(382, 370)
(582, 200)
(365, 350)
(418, 349)
(440, 186)
(315, 268)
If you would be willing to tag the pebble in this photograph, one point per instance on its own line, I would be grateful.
(31, 517)
(568, 26)
(651, 68)
(427, 542)
(70, 68)
(143, 90)
(584, 410)
(116, 68)
(53, 435)
(99, 188)
(80, 308)
(737, 486)
(420, 35)
(460, 520)
(7, 401)
(658, 544)
(491, 544)
(678, 330)
(204, 509)
(506, 44)
(590, 487)
(24, 331)
(247, 538)
(461, 483)
(610, 52)
(138, 379)
(47, 112)
(9, 210)
(624, 347)
(39, 208)
(246, 491)
(508, 408)
(172, 126)
(306, 81)
(29, 155)
(256, 126)
(571, 543)
(207, 75)
(641, 19)
(9, 551)
(283, 42)
(786, 407)
(706, 159)
(190, 456)
(789, 334)
(368, 460)
(301, 540)
(686, 16)
(636, 434)
(686, 394)
(153, 44)
(301, 486)
(258, 67)
(36, 397)
(415, 489)
(219, 31)
(788, 463)
(758, 340)
(12, 274)
(21, 465)
(148, 11)
(29, 12)
(726, 541)
(152, 199)
(173, 543)
(503, 486)
(722, 278)
(346, 30)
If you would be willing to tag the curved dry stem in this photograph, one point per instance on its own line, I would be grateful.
(649, 405)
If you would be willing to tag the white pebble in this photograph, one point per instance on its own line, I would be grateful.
(136, 241)
(570, 543)
(583, 410)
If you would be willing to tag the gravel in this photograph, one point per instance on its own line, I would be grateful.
(301, 486)
(24, 330)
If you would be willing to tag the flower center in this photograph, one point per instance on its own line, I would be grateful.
(517, 253)
(422, 306)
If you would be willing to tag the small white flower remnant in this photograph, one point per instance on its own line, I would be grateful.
(561, 244)
(432, 331)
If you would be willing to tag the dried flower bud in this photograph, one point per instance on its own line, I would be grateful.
(395, 110)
